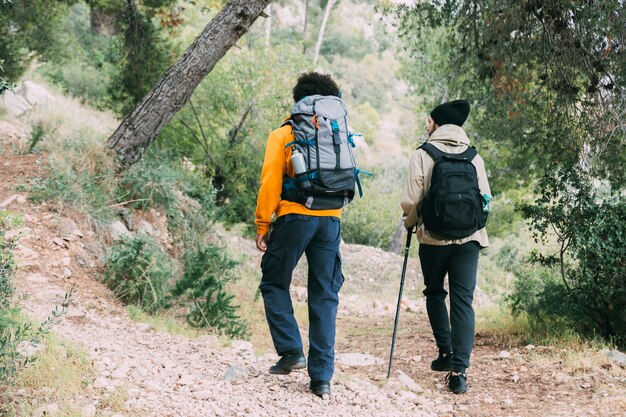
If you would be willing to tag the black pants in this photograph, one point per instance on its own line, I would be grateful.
(459, 262)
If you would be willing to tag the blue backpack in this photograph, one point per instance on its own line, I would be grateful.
(322, 140)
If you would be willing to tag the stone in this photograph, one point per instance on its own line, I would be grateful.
(78, 233)
(118, 230)
(143, 327)
(119, 374)
(15, 105)
(9, 200)
(408, 382)
(357, 359)
(239, 345)
(235, 373)
(60, 242)
(75, 313)
(529, 347)
(88, 411)
(101, 383)
(36, 94)
(25, 252)
(504, 355)
(37, 278)
(203, 395)
(186, 380)
(67, 273)
(147, 228)
(616, 356)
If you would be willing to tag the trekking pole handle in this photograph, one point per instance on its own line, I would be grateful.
(395, 325)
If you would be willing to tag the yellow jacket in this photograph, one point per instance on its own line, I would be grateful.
(451, 139)
(276, 165)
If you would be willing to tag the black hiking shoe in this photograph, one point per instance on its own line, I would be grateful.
(320, 388)
(456, 383)
(442, 363)
(292, 359)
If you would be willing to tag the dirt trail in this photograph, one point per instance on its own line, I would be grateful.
(169, 375)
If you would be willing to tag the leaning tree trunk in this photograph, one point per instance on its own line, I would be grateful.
(320, 36)
(173, 90)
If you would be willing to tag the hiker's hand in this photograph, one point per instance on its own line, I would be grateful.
(261, 242)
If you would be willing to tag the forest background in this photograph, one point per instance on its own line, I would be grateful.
(546, 81)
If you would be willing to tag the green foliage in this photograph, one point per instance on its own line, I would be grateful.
(207, 270)
(87, 66)
(591, 234)
(224, 128)
(37, 135)
(27, 26)
(146, 54)
(548, 84)
(7, 263)
(373, 219)
(138, 271)
(186, 196)
(548, 78)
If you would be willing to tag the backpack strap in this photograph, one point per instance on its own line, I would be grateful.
(467, 155)
(336, 142)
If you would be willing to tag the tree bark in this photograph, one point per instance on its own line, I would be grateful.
(139, 129)
(320, 36)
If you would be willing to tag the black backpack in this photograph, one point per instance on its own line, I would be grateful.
(453, 207)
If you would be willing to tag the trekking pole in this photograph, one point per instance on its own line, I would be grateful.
(395, 325)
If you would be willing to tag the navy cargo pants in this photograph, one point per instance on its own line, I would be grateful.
(318, 237)
(459, 262)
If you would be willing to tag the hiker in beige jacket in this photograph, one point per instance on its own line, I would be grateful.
(439, 256)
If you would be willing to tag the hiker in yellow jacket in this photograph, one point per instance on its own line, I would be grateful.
(297, 230)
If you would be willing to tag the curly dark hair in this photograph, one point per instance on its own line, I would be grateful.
(312, 83)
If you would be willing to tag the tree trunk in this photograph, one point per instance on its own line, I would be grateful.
(268, 28)
(306, 22)
(173, 90)
(101, 22)
(320, 36)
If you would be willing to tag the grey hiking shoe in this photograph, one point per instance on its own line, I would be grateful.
(290, 361)
(320, 388)
(442, 363)
(456, 383)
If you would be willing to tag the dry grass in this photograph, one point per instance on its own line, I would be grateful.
(59, 376)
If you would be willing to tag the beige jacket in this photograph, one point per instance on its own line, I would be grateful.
(451, 139)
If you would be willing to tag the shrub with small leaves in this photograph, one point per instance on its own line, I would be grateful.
(137, 271)
(207, 269)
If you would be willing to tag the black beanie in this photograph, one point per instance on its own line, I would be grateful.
(453, 112)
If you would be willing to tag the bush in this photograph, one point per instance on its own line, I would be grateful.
(373, 219)
(138, 271)
(539, 293)
(207, 270)
(591, 234)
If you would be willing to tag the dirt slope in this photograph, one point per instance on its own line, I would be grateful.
(169, 375)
